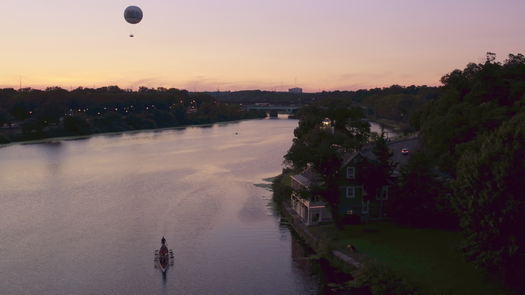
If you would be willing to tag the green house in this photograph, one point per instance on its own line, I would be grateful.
(355, 203)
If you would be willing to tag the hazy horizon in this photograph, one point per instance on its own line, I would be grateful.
(43, 88)
(205, 45)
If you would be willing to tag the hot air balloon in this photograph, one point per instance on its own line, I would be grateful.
(133, 15)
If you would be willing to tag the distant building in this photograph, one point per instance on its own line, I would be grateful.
(295, 90)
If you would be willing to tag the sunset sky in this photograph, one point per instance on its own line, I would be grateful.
(251, 44)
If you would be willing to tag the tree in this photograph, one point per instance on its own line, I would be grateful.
(377, 173)
(489, 200)
(48, 113)
(4, 117)
(384, 155)
(32, 128)
(421, 198)
(75, 125)
(474, 100)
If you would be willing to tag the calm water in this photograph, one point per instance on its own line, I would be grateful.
(85, 216)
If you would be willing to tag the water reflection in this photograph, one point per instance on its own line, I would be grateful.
(54, 152)
(92, 211)
(253, 210)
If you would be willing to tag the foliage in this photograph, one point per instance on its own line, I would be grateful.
(57, 112)
(421, 198)
(394, 103)
(377, 173)
(76, 125)
(281, 189)
(380, 280)
(490, 200)
(314, 143)
(4, 139)
(5, 117)
(474, 101)
(32, 128)
(473, 134)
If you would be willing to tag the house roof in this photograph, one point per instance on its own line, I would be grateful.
(365, 152)
(307, 177)
(411, 144)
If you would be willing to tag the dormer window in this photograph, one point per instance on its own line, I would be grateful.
(350, 172)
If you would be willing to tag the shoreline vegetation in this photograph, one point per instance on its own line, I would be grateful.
(455, 211)
(30, 114)
(124, 132)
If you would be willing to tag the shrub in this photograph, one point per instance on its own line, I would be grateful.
(379, 280)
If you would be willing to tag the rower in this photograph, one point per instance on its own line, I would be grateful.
(163, 249)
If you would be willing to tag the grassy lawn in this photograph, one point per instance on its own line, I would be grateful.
(429, 258)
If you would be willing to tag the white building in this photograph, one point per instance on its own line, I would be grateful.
(312, 209)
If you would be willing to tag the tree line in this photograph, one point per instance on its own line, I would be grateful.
(32, 113)
(472, 158)
(396, 102)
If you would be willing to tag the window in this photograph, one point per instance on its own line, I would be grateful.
(350, 172)
(383, 194)
(350, 192)
(365, 206)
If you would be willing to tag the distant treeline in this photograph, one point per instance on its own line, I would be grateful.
(395, 103)
(33, 114)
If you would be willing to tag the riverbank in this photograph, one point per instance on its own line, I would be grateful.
(385, 258)
(318, 242)
(88, 121)
(80, 137)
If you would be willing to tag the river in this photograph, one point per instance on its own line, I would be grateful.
(85, 216)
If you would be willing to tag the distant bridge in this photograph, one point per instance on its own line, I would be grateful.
(274, 108)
